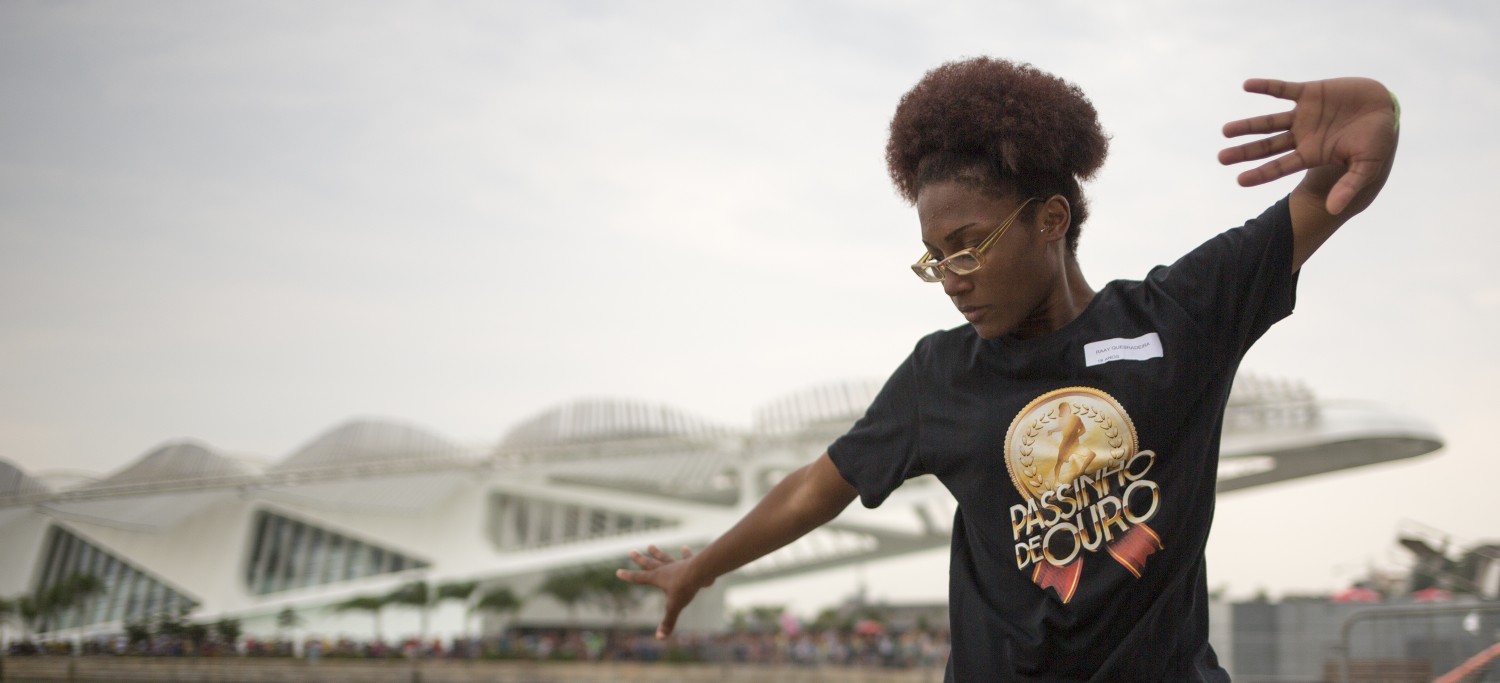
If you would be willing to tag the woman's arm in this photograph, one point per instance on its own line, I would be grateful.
(803, 501)
(1342, 131)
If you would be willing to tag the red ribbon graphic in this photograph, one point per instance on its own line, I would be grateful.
(1063, 580)
(1130, 550)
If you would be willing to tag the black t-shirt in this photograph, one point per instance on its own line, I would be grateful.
(1084, 463)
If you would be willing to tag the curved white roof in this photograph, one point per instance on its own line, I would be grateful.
(592, 420)
(1258, 402)
(370, 441)
(173, 461)
(15, 482)
(844, 401)
(67, 480)
(1253, 399)
(1250, 387)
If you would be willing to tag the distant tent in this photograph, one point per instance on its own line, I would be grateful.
(1356, 594)
(1433, 594)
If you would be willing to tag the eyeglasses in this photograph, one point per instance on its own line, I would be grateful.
(966, 261)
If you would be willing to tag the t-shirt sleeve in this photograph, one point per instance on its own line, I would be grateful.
(1237, 284)
(880, 451)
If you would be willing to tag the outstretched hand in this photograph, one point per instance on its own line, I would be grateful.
(1345, 123)
(672, 576)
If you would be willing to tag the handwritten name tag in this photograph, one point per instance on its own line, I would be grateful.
(1107, 350)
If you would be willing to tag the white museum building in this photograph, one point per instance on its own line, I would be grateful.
(372, 504)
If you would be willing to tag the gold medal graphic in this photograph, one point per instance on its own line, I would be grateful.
(1073, 456)
(1066, 433)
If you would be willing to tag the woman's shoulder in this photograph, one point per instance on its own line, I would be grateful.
(943, 349)
(959, 340)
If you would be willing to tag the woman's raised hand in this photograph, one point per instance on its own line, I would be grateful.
(1347, 123)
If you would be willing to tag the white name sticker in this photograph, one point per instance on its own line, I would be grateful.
(1141, 348)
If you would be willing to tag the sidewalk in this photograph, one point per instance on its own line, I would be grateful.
(273, 670)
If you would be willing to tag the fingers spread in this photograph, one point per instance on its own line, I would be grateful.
(641, 578)
(643, 561)
(1258, 149)
(686, 552)
(659, 554)
(1269, 86)
(1280, 167)
(1259, 125)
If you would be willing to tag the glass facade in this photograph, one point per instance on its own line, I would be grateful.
(286, 554)
(128, 594)
(517, 522)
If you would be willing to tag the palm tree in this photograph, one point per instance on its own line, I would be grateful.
(138, 635)
(78, 591)
(364, 603)
(455, 590)
(229, 631)
(288, 619)
(172, 629)
(197, 634)
(767, 617)
(461, 591)
(422, 597)
(500, 601)
(8, 611)
(50, 604)
(567, 587)
(610, 593)
(412, 595)
(30, 609)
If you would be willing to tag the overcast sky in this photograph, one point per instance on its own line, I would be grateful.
(244, 222)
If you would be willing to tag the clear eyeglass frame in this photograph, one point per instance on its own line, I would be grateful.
(968, 260)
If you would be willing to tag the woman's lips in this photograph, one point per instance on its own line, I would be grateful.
(972, 313)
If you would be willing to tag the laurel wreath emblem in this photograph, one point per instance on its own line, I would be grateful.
(1115, 434)
(1028, 443)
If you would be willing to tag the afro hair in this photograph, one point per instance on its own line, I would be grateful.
(1000, 127)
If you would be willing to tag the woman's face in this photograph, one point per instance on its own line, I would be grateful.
(1008, 295)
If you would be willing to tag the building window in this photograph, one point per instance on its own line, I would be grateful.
(286, 554)
(517, 522)
(124, 586)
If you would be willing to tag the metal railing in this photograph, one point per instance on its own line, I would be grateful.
(1410, 613)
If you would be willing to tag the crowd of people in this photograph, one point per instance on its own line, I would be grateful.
(917, 647)
(912, 648)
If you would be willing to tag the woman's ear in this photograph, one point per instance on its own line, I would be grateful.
(1055, 217)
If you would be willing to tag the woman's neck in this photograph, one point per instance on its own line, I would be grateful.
(1063, 305)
